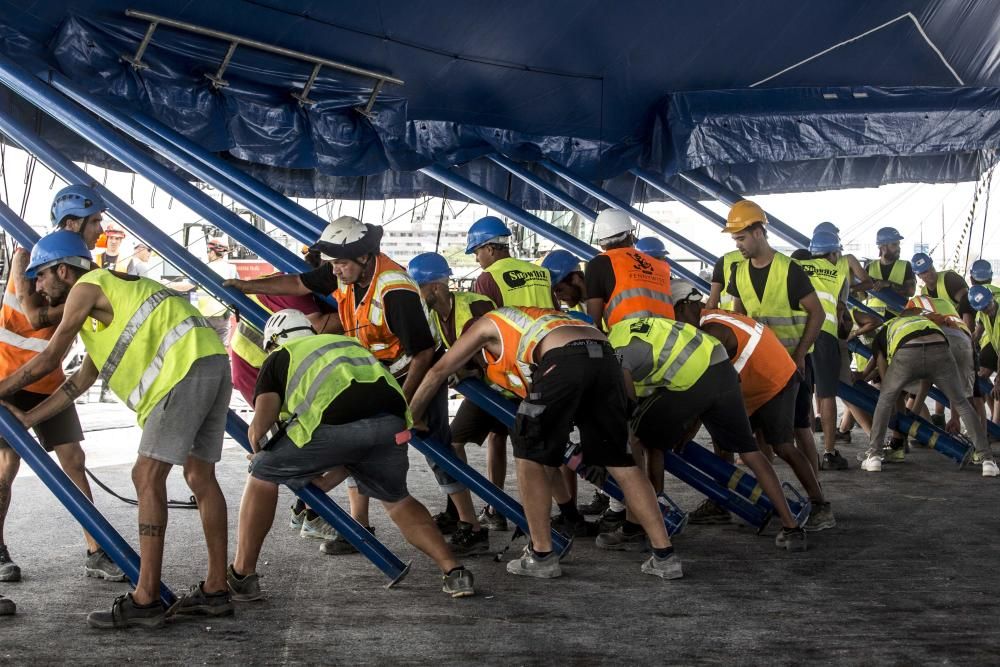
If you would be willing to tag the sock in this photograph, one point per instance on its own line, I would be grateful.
(569, 511)
(298, 506)
(663, 553)
(540, 554)
(450, 508)
(897, 443)
(454, 569)
(630, 528)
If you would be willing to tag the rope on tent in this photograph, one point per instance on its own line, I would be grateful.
(986, 209)
(3, 170)
(444, 202)
(969, 222)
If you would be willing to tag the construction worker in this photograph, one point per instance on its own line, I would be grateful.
(380, 305)
(505, 280)
(652, 246)
(722, 272)
(621, 281)
(568, 282)
(217, 314)
(859, 280)
(164, 361)
(567, 374)
(338, 412)
(141, 262)
(768, 383)
(773, 290)
(681, 377)
(890, 272)
(981, 273)
(911, 347)
(984, 301)
(112, 257)
(830, 277)
(945, 284)
(27, 322)
(451, 314)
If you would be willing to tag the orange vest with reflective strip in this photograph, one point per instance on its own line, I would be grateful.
(367, 321)
(764, 365)
(939, 311)
(521, 330)
(642, 287)
(19, 343)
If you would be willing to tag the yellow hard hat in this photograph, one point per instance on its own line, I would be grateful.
(743, 214)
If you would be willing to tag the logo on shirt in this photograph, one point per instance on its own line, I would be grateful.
(640, 263)
(639, 326)
(518, 278)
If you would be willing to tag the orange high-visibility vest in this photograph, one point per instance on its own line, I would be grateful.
(19, 343)
(367, 321)
(521, 330)
(642, 287)
(764, 365)
(940, 311)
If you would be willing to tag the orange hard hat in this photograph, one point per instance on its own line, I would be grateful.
(743, 214)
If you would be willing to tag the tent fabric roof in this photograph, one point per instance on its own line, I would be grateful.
(741, 90)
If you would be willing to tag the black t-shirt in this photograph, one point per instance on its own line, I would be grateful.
(954, 284)
(799, 286)
(599, 277)
(718, 273)
(359, 401)
(403, 310)
(881, 343)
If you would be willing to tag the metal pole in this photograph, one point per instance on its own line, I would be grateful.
(362, 540)
(12, 223)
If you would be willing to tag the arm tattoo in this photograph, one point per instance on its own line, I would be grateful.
(43, 317)
(25, 378)
(70, 389)
(151, 530)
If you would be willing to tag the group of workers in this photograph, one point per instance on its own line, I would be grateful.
(612, 355)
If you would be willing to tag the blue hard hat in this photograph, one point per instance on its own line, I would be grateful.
(980, 297)
(76, 201)
(826, 227)
(981, 270)
(652, 246)
(428, 267)
(485, 230)
(887, 235)
(824, 242)
(922, 262)
(560, 264)
(59, 247)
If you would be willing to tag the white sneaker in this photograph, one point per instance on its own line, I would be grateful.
(990, 468)
(872, 464)
(317, 528)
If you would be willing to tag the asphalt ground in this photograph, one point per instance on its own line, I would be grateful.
(905, 578)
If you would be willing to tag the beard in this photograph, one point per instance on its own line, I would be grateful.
(58, 292)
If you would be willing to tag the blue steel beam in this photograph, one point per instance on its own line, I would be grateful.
(198, 162)
(362, 540)
(58, 107)
(139, 225)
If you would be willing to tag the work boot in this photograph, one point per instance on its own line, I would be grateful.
(833, 461)
(339, 546)
(466, 542)
(100, 566)
(7, 606)
(196, 602)
(490, 518)
(125, 613)
(791, 539)
(243, 588)
(820, 517)
(620, 540)
(531, 564)
(708, 513)
(9, 571)
(610, 521)
(665, 568)
(458, 583)
(597, 505)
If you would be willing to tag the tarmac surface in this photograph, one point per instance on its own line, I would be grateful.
(905, 578)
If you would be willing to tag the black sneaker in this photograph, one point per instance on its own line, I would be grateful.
(596, 506)
(339, 546)
(619, 540)
(7, 606)
(458, 584)
(9, 571)
(100, 566)
(610, 521)
(833, 461)
(245, 588)
(196, 602)
(125, 613)
(842, 436)
(709, 514)
(466, 542)
(446, 522)
(575, 527)
(490, 518)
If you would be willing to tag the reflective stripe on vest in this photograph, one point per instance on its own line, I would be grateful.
(131, 327)
(990, 329)
(247, 342)
(155, 366)
(896, 275)
(20, 342)
(681, 352)
(726, 300)
(755, 333)
(900, 327)
(522, 283)
(940, 291)
(946, 313)
(828, 281)
(642, 287)
(773, 310)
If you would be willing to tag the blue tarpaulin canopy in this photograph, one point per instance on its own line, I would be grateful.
(766, 97)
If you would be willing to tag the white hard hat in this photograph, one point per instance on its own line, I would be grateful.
(285, 325)
(611, 222)
(348, 238)
(221, 241)
(682, 290)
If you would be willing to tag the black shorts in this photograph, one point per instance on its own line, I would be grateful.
(988, 358)
(663, 419)
(473, 424)
(776, 419)
(575, 384)
(826, 365)
(803, 399)
(59, 429)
